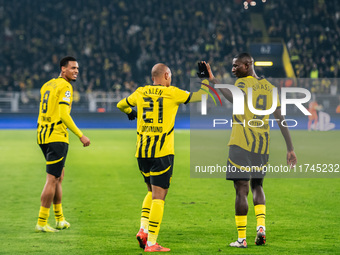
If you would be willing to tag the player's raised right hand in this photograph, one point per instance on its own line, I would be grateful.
(202, 70)
(211, 75)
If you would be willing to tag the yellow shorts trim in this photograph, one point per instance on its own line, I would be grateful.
(145, 174)
(155, 173)
(234, 164)
(54, 161)
(159, 173)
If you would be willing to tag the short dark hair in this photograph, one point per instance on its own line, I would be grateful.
(65, 60)
(244, 57)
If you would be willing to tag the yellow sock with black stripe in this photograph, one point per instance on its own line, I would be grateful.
(241, 225)
(44, 213)
(58, 212)
(260, 213)
(155, 219)
(144, 221)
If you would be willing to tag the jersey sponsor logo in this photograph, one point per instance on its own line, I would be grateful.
(156, 129)
(46, 119)
(66, 99)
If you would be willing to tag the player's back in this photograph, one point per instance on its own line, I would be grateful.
(157, 107)
(50, 127)
(251, 131)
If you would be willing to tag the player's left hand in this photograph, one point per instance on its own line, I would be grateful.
(291, 159)
(132, 115)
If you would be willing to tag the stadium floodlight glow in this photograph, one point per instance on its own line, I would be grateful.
(263, 63)
(245, 3)
(252, 3)
(263, 1)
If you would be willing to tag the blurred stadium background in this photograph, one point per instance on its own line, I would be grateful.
(117, 42)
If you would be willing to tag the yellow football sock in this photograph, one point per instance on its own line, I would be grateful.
(144, 221)
(155, 219)
(58, 212)
(260, 213)
(44, 213)
(241, 224)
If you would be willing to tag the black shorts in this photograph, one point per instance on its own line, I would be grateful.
(157, 171)
(245, 165)
(55, 155)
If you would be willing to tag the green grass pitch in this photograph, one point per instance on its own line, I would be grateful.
(103, 191)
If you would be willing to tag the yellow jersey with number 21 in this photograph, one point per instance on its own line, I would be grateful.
(157, 107)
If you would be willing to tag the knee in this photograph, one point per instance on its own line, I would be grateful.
(242, 192)
(256, 184)
(61, 178)
(159, 193)
(52, 179)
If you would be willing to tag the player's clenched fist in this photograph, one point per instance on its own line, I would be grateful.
(85, 140)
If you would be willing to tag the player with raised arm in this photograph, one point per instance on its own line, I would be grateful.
(53, 121)
(249, 145)
(157, 107)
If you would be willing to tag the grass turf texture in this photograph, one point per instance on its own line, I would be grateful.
(103, 191)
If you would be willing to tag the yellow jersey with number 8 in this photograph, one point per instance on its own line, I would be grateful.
(50, 127)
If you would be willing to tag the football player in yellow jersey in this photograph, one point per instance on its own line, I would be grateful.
(53, 121)
(249, 145)
(157, 106)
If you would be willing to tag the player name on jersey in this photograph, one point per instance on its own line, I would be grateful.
(262, 86)
(153, 91)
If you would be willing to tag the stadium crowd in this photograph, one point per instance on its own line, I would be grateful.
(117, 42)
(311, 30)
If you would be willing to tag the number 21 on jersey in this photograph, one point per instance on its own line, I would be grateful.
(152, 104)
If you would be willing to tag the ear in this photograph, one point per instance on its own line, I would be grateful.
(166, 75)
